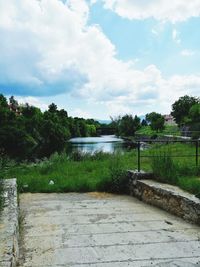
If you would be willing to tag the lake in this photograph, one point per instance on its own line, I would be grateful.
(105, 143)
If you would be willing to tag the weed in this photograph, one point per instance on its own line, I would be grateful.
(164, 167)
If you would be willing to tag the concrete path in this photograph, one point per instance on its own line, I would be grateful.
(103, 230)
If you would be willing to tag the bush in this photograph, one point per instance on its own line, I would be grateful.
(117, 182)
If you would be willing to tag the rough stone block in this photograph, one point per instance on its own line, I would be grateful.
(168, 197)
(9, 234)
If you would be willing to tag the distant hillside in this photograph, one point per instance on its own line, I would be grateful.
(104, 121)
(109, 121)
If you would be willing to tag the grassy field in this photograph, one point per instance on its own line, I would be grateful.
(176, 164)
(63, 174)
(105, 172)
(169, 130)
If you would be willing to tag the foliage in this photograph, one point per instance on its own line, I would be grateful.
(194, 113)
(117, 181)
(190, 184)
(105, 172)
(91, 173)
(126, 125)
(156, 121)
(169, 130)
(169, 166)
(28, 133)
(144, 123)
(181, 108)
(194, 121)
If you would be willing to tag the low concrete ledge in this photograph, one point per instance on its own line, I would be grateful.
(9, 234)
(168, 197)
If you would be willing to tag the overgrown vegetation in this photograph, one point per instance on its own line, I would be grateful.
(28, 135)
(176, 171)
(168, 130)
(105, 172)
(126, 125)
(75, 173)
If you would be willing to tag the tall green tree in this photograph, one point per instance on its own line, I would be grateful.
(181, 108)
(194, 113)
(128, 125)
(156, 121)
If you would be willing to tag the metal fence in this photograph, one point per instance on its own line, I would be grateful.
(194, 143)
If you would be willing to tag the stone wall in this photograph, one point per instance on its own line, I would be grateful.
(168, 197)
(9, 228)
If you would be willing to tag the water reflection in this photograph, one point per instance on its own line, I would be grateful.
(106, 143)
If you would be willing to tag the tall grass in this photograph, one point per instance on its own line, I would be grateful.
(163, 167)
(117, 179)
(105, 172)
(75, 173)
(169, 130)
(168, 170)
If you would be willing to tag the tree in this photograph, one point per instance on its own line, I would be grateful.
(144, 122)
(91, 130)
(28, 133)
(193, 121)
(3, 101)
(181, 108)
(156, 121)
(194, 113)
(115, 124)
(129, 125)
(83, 128)
(52, 108)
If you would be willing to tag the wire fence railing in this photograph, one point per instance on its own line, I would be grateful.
(189, 151)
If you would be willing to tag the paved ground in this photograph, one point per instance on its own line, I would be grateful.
(102, 230)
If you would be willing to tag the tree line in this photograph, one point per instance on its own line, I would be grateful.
(185, 111)
(28, 133)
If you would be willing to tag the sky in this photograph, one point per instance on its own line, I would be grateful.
(100, 58)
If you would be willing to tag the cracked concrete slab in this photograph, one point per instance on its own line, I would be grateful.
(103, 230)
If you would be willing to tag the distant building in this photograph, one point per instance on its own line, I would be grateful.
(169, 120)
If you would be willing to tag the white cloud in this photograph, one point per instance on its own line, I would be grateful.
(187, 53)
(80, 113)
(162, 10)
(47, 48)
(34, 101)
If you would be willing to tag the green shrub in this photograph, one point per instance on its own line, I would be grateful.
(117, 182)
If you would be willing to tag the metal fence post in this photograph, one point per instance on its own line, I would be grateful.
(138, 147)
(197, 153)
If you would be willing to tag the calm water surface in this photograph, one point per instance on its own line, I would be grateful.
(105, 143)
